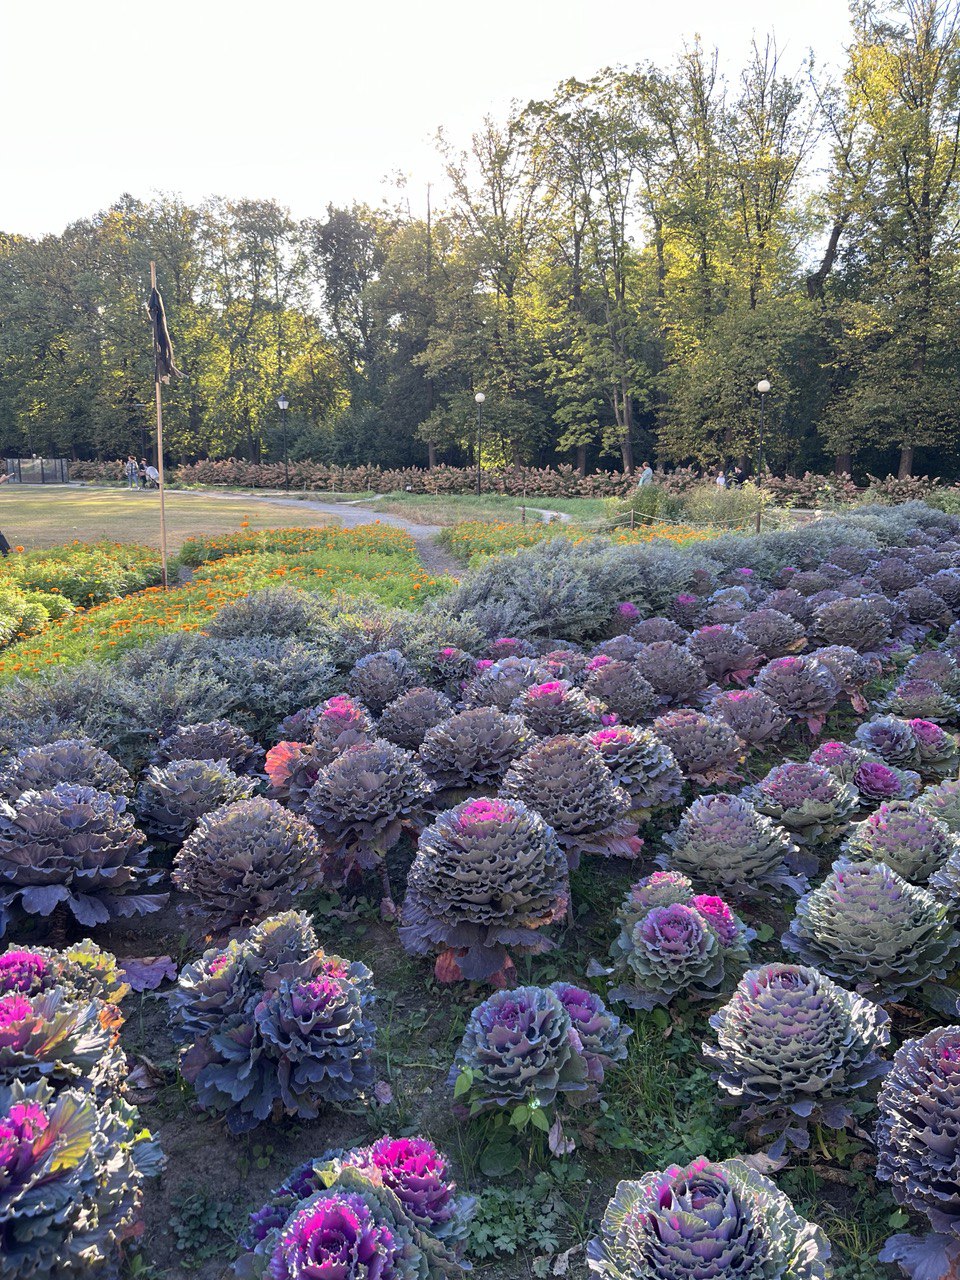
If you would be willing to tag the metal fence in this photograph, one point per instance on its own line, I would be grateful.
(38, 470)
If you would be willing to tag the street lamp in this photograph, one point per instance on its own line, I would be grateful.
(763, 386)
(283, 404)
(479, 398)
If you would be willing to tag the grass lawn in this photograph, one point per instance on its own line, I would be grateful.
(45, 517)
(449, 509)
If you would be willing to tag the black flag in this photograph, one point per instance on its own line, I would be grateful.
(161, 338)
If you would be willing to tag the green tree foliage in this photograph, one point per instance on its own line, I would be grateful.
(615, 267)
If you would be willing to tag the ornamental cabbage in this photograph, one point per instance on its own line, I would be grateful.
(719, 1220)
(489, 875)
(71, 1176)
(674, 673)
(566, 781)
(871, 929)
(73, 849)
(678, 947)
(753, 716)
(473, 748)
(890, 738)
(706, 749)
(910, 840)
(803, 688)
(556, 707)
(173, 798)
(274, 1025)
(813, 805)
(501, 683)
(722, 841)
(215, 740)
(917, 1150)
(378, 679)
(621, 688)
(406, 721)
(523, 1047)
(774, 633)
(726, 653)
(248, 860)
(74, 760)
(794, 1049)
(642, 765)
(360, 804)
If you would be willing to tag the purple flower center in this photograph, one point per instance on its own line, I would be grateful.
(21, 1138)
(13, 1009)
(21, 970)
(477, 812)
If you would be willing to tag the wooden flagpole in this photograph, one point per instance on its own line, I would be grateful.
(156, 383)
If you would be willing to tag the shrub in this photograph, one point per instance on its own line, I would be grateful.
(672, 942)
(916, 1152)
(406, 721)
(274, 1025)
(73, 760)
(359, 806)
(794, 1049)
(215, 740)
(268, 679)
(706, 1219)
(246, 861)
(171, 800)
(642, 765)
(489, 875)
(567, 782)
(73, 849)
(280, 613)
(723, 842)
(807, 799)
(706, 749)
(872, 930)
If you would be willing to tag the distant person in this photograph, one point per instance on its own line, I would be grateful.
(130, 470)
(4, 544)
(737, 477)
(721, 480)
(646, 476)
(153, 477)
(142, 473)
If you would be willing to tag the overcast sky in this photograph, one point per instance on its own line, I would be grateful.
(309, 101)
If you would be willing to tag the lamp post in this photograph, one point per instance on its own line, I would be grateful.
(763, 386)
(283, 404)
(479, 398)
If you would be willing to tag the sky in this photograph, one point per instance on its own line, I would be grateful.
(311, 102)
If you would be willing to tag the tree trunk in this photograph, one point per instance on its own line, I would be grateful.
(843, 464)
(431, 455)
(582, 459)
(905, 470)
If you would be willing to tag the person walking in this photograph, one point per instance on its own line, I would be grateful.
(142, 473)
(4, 544)
(130, 471)
(646, 476)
